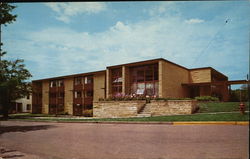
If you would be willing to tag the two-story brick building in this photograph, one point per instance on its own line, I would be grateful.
(157, 77)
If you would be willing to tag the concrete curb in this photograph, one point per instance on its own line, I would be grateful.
(139, 122)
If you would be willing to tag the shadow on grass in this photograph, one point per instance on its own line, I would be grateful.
(7, 129)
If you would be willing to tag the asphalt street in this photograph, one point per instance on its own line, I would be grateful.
(46, 140)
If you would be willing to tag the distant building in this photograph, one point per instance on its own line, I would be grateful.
(22, 105)
(158, 77)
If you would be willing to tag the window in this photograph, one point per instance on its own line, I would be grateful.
(149, 75)
(28, 107)
(60, 83)
(140, 88)
(52, 95)
(88, 80)
(78, 94)
(78, 80)
(61, 94)
(56, 83)
(52, 83)
(116, 77)
(89, 93)
(28, 96)
(140, 75)
(144, 80)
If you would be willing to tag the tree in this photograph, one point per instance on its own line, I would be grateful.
(6, 17)
(13, 75)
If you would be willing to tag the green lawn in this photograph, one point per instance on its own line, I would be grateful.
(194, 117)
(209, 107)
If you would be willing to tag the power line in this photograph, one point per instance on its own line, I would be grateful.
(227, 20)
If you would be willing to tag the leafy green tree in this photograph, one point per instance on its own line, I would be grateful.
(13, 75)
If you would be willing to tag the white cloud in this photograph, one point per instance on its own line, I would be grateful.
(61, 51)
(194, 21)
(66, 51)
(66, 10)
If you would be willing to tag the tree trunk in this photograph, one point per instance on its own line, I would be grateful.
(6, 108)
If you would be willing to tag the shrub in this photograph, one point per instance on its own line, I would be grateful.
(206, 98)
(88, 113)
(62, 113)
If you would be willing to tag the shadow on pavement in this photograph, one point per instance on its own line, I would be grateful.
(7, 129)
(13, 156)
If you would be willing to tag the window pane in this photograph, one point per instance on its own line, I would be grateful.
(156, 73)
(156, 88)
(88, 80)
(149, 75)
(140, 76)
(89, 94)
(78, 80)
(140, 88)
(149, 89)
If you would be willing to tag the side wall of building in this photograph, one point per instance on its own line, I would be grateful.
(45, 97)
(171, 78)
(68, 95)
(200, 75)
(99, 86)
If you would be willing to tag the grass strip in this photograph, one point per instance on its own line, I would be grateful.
(194, 117)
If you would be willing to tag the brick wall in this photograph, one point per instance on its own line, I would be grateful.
(68, 95)
(45, 97)
(200, 75)
(99, 86)
(114, 109)
(170, 79)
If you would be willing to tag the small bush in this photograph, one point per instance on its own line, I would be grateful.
(88, 113)
(206, 98)
(165, 99)
(63, 113)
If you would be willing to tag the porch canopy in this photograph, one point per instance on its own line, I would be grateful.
(217, 83)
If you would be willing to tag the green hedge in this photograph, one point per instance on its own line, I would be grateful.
(206, 98)
(140, 98)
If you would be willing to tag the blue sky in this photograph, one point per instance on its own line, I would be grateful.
(58, 39)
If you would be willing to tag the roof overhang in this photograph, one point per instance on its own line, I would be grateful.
(217, 83)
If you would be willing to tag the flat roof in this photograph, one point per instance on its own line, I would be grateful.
(146, 61)
(217, 83)
(130, 64)
(66, 76)
(201, 68)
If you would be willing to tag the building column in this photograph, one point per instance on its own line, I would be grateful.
(124, 81)
(225, 92)
(160, 74)
(107, 83)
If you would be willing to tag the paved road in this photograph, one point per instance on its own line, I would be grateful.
(126, 141)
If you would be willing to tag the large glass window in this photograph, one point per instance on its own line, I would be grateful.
(116, 77)
(144, 80)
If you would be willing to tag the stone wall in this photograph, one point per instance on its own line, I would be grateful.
(114, 109)
(172, 107)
